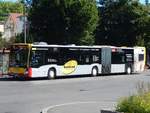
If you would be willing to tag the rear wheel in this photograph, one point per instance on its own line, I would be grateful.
(94, 71)
(51, 74)
(128, 71)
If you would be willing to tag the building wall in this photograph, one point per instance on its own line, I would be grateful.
(13, 26)
(19, 25)
(1, 28)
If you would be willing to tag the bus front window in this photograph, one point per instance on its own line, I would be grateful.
(19, 57)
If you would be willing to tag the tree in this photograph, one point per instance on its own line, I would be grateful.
(9, 7)
(3, 42)
(143, 25)
(63, 21)
(123, 22)
(147, 30)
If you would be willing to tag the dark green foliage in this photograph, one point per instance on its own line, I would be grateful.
(9, 7)
(123, 23)
(20, 38)
(63, 21)
(3, 42)
(147, 30)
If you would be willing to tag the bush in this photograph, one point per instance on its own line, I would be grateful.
(139, 103)
(135, 104)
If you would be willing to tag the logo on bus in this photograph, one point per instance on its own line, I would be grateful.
(70, 67)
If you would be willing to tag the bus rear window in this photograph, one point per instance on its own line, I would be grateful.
(141, 57)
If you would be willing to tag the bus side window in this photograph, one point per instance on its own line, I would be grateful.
(87, 59)
(72, 55)
(129, 57)
(84, 58)
(38, 58)
(95, 57)
(52, 56)
(117, 58)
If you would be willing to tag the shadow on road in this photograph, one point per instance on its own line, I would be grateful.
(21, 79)
(8, 79)
(62, 77)
(40, 78)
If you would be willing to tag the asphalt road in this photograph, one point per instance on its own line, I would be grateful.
(34, 95)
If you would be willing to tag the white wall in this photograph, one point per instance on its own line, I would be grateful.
(1, 28)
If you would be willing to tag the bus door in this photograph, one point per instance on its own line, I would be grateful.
(106, 60)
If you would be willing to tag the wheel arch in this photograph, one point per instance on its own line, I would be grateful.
(96, 66)
(94, 71)
(129, 66)
(48, 72)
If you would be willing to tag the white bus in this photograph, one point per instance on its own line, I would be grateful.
(51, 61)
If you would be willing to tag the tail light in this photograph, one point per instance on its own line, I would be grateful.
(29, 72)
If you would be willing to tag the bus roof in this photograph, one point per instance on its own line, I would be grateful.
(73, 46)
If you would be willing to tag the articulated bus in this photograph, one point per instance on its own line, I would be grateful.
(51, 61)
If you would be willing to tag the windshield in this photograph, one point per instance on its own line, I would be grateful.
(19, 57)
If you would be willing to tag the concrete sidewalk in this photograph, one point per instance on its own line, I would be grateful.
(80, 107)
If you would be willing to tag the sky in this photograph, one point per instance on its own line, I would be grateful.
(142, 1)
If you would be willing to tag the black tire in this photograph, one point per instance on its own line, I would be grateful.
(94, 72)
(51, 74)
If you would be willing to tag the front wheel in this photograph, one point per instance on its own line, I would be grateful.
(51, 74)
(94, 71)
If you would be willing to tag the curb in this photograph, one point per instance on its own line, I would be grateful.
(45, 110)
(108, 111)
